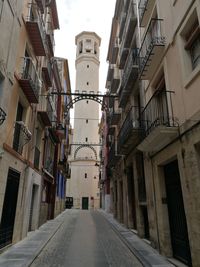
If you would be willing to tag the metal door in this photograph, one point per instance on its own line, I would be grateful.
(177, 218)
(9, 208)
(85, 203)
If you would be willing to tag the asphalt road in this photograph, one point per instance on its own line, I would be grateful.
(85, 239)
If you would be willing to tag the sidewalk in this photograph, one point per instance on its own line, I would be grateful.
(148, 256)
(24, 252)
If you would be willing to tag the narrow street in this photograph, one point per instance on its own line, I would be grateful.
(85, 239)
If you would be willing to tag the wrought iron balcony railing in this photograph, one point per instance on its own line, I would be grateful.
(46, 72)
(2, 116)
(41, 5)
(29, 80)
(158, 112)
(22, 136)
(36, 30)
(129, 77)
(151, 49)
(145, 10)
(45, 110)
(131, 132)
(113, 156)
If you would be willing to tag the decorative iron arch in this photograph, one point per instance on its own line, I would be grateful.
(83, 146)
(80, 97)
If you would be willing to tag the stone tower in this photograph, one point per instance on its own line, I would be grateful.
(83, 185)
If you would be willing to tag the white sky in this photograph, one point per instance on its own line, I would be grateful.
(76, 16)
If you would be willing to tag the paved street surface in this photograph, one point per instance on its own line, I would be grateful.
(85, 240)
(78, 238)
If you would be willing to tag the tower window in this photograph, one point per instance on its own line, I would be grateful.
(87, 83)
(87, 102)
(86, 120)
(88, 66)
(80, 47)
(85, 175)
(86, 139)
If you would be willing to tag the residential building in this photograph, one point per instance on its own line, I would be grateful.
(83, 185)
(29, 137)
(154, 70)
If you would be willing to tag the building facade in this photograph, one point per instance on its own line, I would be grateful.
(154, 170)
(29, 137)
(83, 185)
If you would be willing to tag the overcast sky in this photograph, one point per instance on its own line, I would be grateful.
(76, 16)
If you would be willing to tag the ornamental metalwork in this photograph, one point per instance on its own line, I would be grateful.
(2, 116)
(85, 146)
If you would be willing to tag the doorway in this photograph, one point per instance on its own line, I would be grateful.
(177, 218)
(9, 208)
(85, 203)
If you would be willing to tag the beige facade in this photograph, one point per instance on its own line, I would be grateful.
(83, 185)
(154, 169)
(29, 136)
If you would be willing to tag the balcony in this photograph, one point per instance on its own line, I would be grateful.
(41, 5)
(122, 24)
(29, 81)
(2, 116)
(115, 51)
(129, 78)
(130, 133)
(46, 72)
(36, 32)
(45, 110)
(113, 156)
(115, 81)
(115, 112)
(51, 43)
(123, 56)
(22, 136)
(131, 22)
(145, 11)
(151, 50)
(159, 124)
(37, 158)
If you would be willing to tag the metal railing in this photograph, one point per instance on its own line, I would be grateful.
(158, 111)
(2, 116)
(132, 60)
(142, 8)
(22, 136)
(35, 16)
(45, 106)
(37, 158)
(152, 37)
(131, 122)
(29, 72)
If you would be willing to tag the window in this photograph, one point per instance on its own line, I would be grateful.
(85, 175)
(192, 45)
(86, 120)
(87, 102)
(88, 66)
(95, 48)
(80, 47)
(87, 83)
(17, 133)
(86, 139)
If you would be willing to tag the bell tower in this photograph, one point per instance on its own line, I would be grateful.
(83, 185)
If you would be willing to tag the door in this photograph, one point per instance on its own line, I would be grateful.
(34, 190)
(9, 208)
(131, 196)
(177, 218)
(85, 203)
